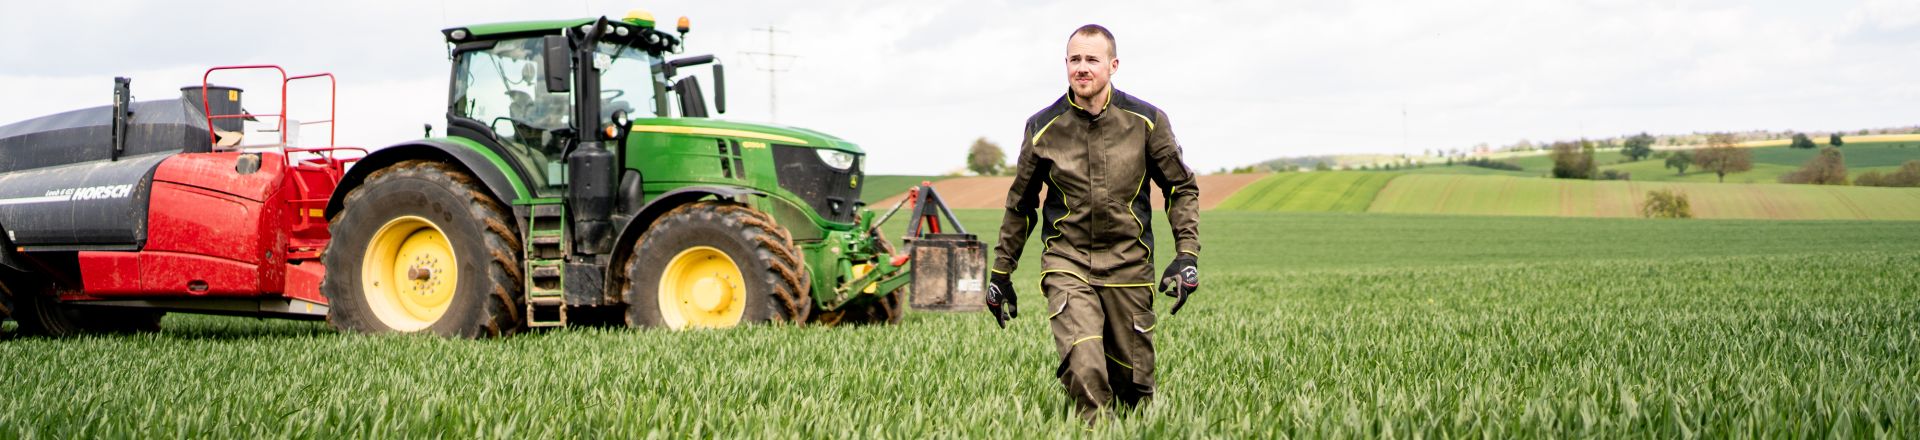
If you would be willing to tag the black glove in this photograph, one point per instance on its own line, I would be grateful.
(1181, 279)
(1000, 298)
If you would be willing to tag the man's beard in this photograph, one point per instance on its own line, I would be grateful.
(1090, 94)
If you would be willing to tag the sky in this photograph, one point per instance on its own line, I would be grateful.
(915, 82)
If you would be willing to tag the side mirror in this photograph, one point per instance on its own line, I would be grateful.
(558, 63)
(719, 88)
(719, 76)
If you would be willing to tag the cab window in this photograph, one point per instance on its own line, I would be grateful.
(502, 88)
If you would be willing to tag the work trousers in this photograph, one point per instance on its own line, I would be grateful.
(1104, 335)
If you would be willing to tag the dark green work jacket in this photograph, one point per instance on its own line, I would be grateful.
(1096, 220)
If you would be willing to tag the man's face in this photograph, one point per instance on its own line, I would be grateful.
(1089, 65)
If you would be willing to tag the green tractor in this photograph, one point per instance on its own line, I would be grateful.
(581, 181)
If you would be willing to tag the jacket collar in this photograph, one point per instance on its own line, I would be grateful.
(1083, 112)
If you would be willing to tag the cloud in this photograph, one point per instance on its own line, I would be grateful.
(915, 83)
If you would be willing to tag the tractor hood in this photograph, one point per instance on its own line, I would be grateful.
(772, 134)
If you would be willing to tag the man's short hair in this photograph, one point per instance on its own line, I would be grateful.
(1113, 48)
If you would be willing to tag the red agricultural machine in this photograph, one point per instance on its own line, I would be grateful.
(115, 215)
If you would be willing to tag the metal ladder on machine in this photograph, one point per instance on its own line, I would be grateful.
(546, 254)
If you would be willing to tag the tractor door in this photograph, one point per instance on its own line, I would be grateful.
(502, 89)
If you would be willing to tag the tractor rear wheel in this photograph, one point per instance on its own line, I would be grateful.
(421, 247)
(887, 309)
(715, 265)
(39, 312)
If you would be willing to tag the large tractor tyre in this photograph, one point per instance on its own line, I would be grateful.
(422, 247)
(887, 309)
(715, 265)
(39, 312)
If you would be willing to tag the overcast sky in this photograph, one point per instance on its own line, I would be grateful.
(914, 82)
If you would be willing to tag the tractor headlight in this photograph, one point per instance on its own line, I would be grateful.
(839, 160)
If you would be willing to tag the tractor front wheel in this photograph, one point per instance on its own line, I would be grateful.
(715, 265)
(420, 247)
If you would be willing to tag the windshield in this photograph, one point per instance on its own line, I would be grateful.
(628, 81)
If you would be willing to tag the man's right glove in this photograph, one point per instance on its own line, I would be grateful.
(1181, 279)
(1000, 298)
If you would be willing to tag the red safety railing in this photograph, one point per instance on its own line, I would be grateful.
(315, 174)
(333, 95)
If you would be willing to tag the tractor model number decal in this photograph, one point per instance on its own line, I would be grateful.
(83, 193)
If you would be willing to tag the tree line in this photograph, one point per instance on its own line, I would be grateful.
(1675, 140)
(1721, 156)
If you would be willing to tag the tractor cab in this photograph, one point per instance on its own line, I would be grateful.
(518, 85)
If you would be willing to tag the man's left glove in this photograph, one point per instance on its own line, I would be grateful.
(1001, 300)
(1180, 280)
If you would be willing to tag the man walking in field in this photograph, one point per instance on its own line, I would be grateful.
(1095, 150)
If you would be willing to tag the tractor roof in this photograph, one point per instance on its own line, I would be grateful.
(635, 18)
(515, 27)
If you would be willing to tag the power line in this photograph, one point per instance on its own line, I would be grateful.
(773, 69)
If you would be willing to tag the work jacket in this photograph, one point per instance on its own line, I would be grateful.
(1096, 223)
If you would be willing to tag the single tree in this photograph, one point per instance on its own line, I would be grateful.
(1827, 168)
(1835, 140)
(1800, 140)
(1680, 160)
(1721, 157)
(1638, 146)
(986, 158)
(1572, 160)
(1664, 203)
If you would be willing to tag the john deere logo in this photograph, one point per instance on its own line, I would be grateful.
(855, 183)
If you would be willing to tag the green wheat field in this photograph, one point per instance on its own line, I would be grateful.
(1308, 325)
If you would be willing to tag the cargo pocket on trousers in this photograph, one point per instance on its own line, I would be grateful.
(1056, 305)
(1140, 349)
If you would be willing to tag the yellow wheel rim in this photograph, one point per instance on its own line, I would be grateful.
(409, 273)
(702, 287)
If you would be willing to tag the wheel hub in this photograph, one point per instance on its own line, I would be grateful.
(702, 287)
(409, 273)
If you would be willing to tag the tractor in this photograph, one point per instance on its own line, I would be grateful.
(580, 180)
